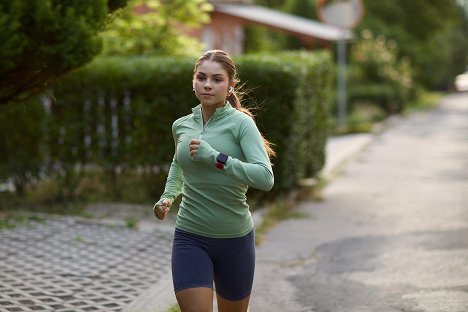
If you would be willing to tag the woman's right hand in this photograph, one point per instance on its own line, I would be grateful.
(160, 211)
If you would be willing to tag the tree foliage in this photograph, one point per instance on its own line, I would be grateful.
(431, 33)
(155, 27)
(377, 76)
(44, 39)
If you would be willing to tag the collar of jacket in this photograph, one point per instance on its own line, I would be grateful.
(219, 113)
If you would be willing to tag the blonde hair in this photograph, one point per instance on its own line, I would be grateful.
(235, 97)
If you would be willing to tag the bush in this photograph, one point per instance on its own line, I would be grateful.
(22, 133)
(377, 75)
(294, 91)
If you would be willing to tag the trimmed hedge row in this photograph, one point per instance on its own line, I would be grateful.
(116, 114)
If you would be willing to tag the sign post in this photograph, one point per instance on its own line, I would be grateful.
(345, 14)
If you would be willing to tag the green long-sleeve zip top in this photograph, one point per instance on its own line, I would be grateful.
(214, 200)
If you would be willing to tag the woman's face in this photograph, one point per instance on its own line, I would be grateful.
(211, 84)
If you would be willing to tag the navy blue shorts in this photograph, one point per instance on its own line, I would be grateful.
(197, 261)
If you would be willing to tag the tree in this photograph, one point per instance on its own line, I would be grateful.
(44, 39)
(156, 27)
(376, 75)
(270, 3)
(431, 33)
(302, 8)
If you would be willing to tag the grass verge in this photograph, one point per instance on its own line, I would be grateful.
(12, 219)
(173, 308)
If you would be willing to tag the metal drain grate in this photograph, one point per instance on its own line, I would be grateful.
(67, 264)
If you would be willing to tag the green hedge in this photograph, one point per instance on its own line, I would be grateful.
(294, 91)
(115, 115)
(382, 95)
(22, 128)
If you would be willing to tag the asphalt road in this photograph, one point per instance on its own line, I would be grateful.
(391, 233)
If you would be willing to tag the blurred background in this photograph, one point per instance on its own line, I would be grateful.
(89, 89)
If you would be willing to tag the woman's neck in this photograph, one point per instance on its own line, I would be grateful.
(208, 111)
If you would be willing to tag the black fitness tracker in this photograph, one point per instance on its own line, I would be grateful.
(221, 160)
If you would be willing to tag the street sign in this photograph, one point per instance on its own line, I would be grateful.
(344, 14)
(341, 13)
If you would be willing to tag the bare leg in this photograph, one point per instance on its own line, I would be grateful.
(198, 299)
(225, 305)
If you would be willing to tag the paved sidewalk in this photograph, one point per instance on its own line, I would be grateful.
(341, 149)
(69, 264)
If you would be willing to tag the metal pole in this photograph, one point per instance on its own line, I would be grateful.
(342, 81)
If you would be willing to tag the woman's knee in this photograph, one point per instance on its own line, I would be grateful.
(198, 299)
(225, 305)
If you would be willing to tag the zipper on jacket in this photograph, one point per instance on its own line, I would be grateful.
(204, 127)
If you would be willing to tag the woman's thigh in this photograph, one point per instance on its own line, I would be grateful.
(234, 268)
(192, 267)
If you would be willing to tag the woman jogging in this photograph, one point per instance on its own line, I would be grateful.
(219, 153)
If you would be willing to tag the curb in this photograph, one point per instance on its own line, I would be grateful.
(158, 298)
(341, 149)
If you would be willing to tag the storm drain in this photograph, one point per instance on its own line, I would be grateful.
(72, 265)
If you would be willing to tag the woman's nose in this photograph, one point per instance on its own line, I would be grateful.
(207, 84)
